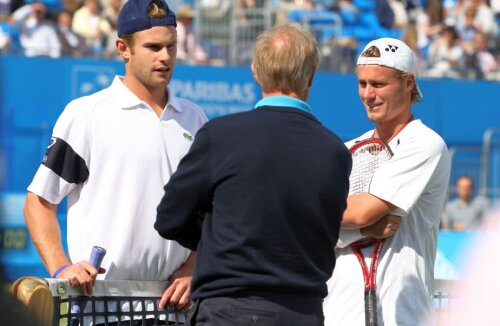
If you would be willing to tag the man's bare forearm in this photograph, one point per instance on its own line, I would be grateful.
(45, 232)
(364, 210)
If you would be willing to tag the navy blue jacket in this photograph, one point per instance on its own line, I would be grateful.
(269, 187)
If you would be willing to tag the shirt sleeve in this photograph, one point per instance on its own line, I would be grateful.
(402, 180)
(348, 236)
(65, 163)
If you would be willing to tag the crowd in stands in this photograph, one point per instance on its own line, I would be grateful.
(55, 29)
(452, 38)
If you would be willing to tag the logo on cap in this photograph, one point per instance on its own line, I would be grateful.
(392, 48)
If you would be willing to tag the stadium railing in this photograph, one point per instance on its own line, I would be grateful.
(444, 295)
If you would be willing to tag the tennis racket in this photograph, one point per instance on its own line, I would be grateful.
(367, 156)
(96, 257)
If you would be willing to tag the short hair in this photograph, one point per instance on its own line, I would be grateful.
(374, 52)
(156, 10)
(285, 59)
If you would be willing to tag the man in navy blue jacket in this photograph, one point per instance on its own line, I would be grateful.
(260, 197)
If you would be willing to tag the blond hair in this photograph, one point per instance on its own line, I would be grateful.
(285, 59)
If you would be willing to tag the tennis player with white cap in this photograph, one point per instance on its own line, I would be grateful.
(412, 185)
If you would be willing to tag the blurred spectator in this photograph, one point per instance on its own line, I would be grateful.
(188, 48)
(7, 7)
(71, 5)
(111, 12)
(429, 23)
(410, 37)
(91, 25)
(446, 56)
(453, 10)
(72, 44)
(482, 61)
(484, 20)
(391, 13)
(384, 13)
(466, 212)
(467, 29)
(244, 9)
(249, 11)
(250, 22)
(400, 14)
(37, 34)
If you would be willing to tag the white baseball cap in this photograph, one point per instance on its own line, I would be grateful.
(393, 54)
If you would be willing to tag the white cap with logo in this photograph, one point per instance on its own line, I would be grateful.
(393, 54)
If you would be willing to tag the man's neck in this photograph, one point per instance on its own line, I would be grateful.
(465, 201)
(156, 98)
(279, 93)
(387, 131)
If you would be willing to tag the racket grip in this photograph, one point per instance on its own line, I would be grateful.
(96, 256)
(371, 307)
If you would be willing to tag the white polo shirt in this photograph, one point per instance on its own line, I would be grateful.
(111, 156)
(415, 180)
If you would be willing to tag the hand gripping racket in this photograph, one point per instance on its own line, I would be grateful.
(96, 257)
(367, 156)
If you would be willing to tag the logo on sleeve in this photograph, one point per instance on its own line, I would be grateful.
(53, 140)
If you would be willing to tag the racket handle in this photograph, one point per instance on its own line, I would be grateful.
(96, 256)
(371, 307)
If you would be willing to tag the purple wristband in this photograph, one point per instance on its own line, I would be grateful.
(59, 270)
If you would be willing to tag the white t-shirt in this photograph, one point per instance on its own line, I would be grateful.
(111, 156)
(415, 180)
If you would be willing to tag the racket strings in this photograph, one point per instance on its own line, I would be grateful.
(365, 161)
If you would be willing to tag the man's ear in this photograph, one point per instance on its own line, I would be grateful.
(254, 74)
(410, 82)
(122, 48)
(310, 82)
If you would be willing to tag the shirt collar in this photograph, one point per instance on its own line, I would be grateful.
(129, 100)
(285, 101)
(173, 101)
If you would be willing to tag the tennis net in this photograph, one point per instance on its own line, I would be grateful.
(112, 302)
(129, 302)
